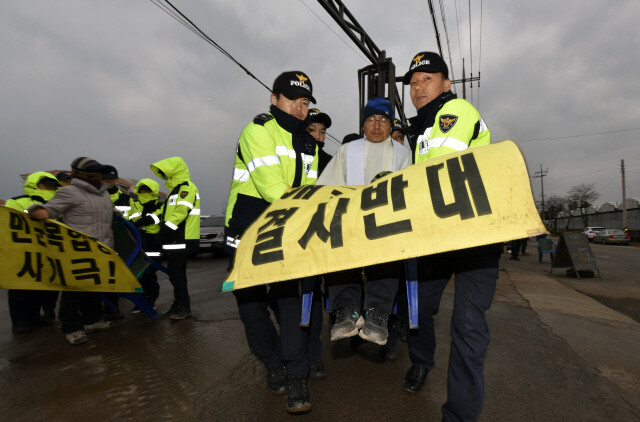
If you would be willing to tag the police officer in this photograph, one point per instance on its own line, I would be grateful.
(121, 202)
(317, 125)
(179, 232)
(446, 124)
(274, 152)
(145, 213)
(397, 132)
(24, 305)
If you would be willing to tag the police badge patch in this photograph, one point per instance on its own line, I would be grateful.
(184, 194)
(447, 121)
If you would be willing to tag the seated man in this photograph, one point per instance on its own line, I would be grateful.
(358, 163)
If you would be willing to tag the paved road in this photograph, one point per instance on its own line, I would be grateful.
(555, 355)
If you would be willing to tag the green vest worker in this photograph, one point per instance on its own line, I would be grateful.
(24, 305)
(179, 232)
(274, 152)
(145, 214)
(446, 124)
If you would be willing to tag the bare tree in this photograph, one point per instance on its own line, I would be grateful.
(581, 197)
(554, 205)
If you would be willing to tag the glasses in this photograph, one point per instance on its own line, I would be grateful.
(382, 120)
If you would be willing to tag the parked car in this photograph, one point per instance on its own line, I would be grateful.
(611, 236)
(591, 231)
(212, 234)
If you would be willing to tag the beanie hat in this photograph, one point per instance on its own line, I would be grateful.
(88, 168)
(294, 84)
(377, 106)
(428, 62)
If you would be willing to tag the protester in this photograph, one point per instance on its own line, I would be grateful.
(24, 305)
(145, 215)
(179, 233)
(85, 206)
(446, 124)
(274, 152)
(358, 163)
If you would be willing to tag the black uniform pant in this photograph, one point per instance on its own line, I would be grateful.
(78, 309)
(24, 305)
(177, 269)
(345, 287)
(475, 284)
(288, 348)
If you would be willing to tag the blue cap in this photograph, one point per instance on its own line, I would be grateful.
(377, 106)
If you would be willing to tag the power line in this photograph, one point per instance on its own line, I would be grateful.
(480, 53)
(185, 21)
(470, 51)
(194, 28)
(446, 35)
(578, 136)
(334, 32)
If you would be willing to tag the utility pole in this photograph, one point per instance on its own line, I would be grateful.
(541, 175)
(624, 197)
(464, 81)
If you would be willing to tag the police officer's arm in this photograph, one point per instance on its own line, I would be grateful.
(467, 130)
(185, 202)
(258, 148)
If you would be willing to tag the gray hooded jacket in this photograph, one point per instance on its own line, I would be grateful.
(83, 208)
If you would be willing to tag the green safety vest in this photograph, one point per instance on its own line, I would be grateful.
(181, 212)
(264, 167)
(457, 126)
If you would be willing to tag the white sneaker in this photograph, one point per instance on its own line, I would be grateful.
(98, 326)
(77, 337)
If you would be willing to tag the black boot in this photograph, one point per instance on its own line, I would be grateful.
(298, 400)
(415, 378)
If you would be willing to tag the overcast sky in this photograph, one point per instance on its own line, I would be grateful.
(124, 83)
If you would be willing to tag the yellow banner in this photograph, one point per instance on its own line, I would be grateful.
(47, 255)
(476, 197)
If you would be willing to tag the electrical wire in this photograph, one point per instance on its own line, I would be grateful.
(185, 21)
(180, 17)
(470, 54)
(480, 53)
(578, 136)
(446, 35)
(335, 33)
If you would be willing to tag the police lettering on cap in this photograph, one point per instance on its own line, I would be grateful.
(316, 116)
(377, 106)
(294, 84)
(428, 62)
(397, 125)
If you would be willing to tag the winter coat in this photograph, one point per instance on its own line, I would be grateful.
(83, 208)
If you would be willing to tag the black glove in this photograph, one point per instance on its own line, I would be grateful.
(143, 221)
(164, 236)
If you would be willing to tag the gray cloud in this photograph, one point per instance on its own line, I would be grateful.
(124, 83)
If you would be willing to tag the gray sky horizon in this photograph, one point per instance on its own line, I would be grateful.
(124, 83)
